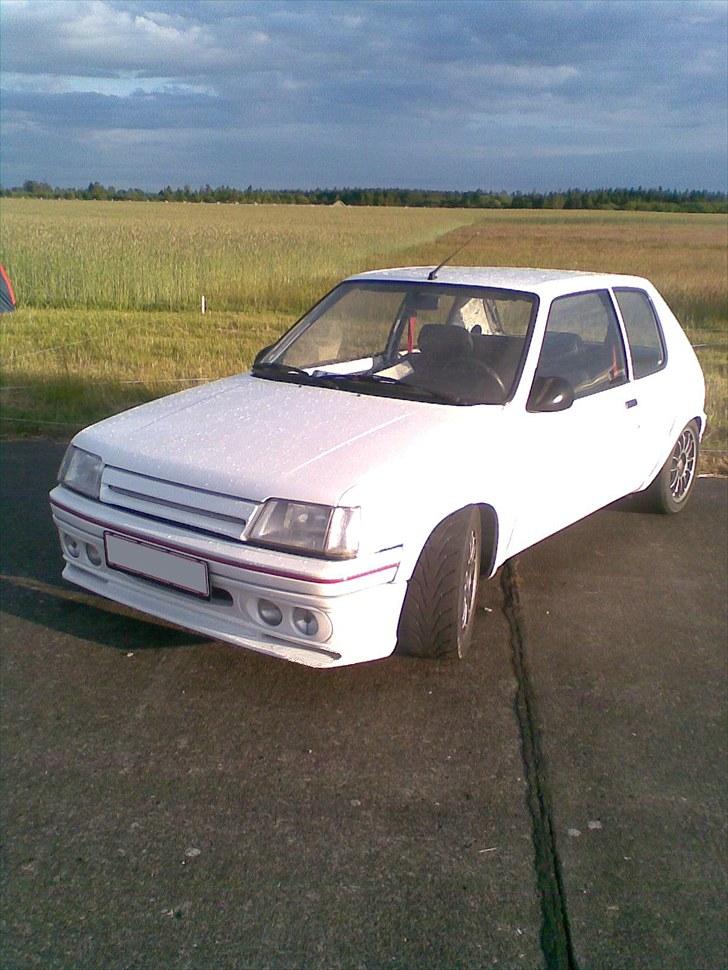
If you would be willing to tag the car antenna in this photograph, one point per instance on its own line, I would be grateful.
(433, 272)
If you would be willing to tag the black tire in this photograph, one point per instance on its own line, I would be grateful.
(671, 489)
(439, 607)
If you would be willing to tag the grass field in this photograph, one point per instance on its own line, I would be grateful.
(109, 293)
(164, 256)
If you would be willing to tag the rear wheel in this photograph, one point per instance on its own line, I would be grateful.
(439, 607)
(671, 489)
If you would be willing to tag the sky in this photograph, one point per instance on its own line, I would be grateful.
(515, 96)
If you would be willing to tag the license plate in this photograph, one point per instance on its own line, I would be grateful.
(155, 562)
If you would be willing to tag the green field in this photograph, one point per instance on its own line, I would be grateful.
(109, 293)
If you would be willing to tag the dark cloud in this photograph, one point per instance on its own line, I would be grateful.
(440, 94)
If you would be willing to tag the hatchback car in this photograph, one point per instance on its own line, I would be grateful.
(410, 433)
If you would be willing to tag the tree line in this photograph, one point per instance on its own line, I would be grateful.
(651, 199)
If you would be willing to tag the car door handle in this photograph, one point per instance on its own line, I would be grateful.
(632, 403)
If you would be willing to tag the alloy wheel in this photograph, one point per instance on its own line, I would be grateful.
(682, 464)
(470, 581)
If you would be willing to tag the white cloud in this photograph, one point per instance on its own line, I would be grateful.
(97, 38)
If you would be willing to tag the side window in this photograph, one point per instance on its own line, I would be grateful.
(582, 343)
(643, 331)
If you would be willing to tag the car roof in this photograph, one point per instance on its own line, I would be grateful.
(544, 282)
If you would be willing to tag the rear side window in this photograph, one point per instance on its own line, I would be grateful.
(643, 331)
(582, 343)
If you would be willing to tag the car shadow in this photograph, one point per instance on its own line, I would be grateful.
(637, 502)
(90, 621)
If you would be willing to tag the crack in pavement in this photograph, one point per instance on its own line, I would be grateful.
(556, 943)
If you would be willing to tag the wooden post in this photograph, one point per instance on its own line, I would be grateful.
(203, 304)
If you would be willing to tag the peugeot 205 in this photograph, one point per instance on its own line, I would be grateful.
(415, 429)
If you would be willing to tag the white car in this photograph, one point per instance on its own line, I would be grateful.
(410, 433)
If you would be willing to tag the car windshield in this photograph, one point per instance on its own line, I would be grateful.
(426, 341)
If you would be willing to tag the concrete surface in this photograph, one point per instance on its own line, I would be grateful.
(168, 801)
(625, 620)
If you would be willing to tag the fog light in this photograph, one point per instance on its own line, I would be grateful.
(305, 622)
(72, 546)
(269, 613)
(94, 556)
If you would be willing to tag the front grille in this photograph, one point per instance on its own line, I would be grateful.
(210, 512)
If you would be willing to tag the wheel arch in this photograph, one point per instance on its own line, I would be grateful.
(490, 531)
(490, 534)
(676, 429)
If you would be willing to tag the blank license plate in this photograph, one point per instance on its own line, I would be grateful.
(156, 562)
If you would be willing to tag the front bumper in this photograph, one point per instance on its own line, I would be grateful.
(356, 603)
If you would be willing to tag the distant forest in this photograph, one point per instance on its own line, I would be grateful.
(656, 200)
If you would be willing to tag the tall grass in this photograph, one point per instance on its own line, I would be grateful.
(108, 291)
(165, 256)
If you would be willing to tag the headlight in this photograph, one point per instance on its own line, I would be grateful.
(81, 471)
(317, 529)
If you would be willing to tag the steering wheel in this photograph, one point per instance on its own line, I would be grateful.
(468, 366)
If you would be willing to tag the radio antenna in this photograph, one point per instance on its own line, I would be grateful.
(433, 272)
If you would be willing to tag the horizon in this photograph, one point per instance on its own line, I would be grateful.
(285, 190)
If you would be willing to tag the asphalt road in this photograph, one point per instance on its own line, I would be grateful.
(558, 800)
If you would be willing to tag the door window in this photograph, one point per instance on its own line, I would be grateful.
(583, 344)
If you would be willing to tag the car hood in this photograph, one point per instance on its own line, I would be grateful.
(258, 438)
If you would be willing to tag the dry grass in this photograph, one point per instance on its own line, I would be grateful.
(685, 255)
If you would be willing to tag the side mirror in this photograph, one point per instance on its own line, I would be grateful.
(550, 394)
(261, 354)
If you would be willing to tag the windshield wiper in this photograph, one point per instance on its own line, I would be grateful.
(419, 393)
(400, 389)
(365, 383)
(278, 370)
(294, 375)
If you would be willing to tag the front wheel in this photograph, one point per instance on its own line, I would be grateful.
(439, 607)
(669, 492)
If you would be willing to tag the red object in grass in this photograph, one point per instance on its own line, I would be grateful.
(7, 296)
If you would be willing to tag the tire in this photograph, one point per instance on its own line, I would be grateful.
(439, 606)
(671, 489)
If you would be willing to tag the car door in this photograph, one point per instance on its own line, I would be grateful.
(577, 460)
(653, 388)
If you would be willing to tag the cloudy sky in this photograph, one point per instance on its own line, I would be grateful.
(494, 95)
